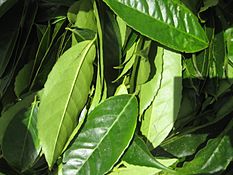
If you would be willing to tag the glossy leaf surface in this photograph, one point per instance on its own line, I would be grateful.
(104, 137)
(21, 144)
(160, 116)
(162, 20)
(64, 96)
(184, 145)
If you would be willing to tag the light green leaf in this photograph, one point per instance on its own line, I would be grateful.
(141, 170)
(104, 137)
(122, 27)
(81, 14)
(144, 66)
(215, 157)
(65, 94)
(159, 118)
(9, 113)
(129, 61)
(168, 22)
(21, 144)
(149, 90)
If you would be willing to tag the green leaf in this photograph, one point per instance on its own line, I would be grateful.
(141, 170)
(215, 157)
(9, 113)
(183, 145)
(23, 78)
(122, 27)
(82, 16)
(65, 94)
(162, 20)
(5, 5)
(129, 61)
(138, 154)
(104, 137)
(208, 4)
(149, 90)
(159, 118)
(21, 144)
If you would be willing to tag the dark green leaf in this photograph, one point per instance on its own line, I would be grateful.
(9, 113)
(5, 5)
(215, 157)
(22, 79)
(168, 22)
(138, 154)
(104, 137)
(183, 145)
(20, 144)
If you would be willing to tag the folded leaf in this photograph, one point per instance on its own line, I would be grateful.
(141, 170)
(138, 154)
(159, 118)
(65, 94)
(166, 21)
(104, 137)
(149, 90)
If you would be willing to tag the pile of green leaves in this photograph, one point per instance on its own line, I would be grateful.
(94, 87)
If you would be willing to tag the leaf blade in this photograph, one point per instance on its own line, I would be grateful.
(160, 116)
(167, 16)
(108, 129)
(75, 67)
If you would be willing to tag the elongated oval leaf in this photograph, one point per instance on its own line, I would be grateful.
(21, 144)
(64, 96)
(166, 21)
(159, 118)
(104, 137)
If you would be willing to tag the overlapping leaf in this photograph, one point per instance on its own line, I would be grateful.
(64, 96)
(21, 144)
(161, 115)
(104, 137)
(149, 90)
(215, 157)
(139, 155)
(168, 22)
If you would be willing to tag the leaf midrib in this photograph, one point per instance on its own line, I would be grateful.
(109, 129)
(170, 26)
(85, 50)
